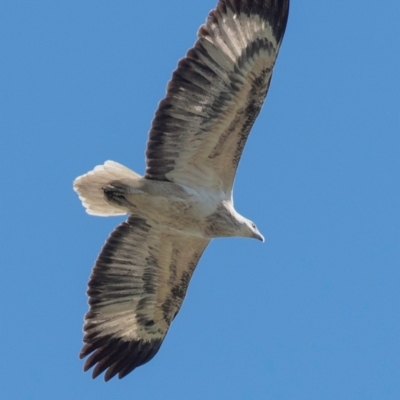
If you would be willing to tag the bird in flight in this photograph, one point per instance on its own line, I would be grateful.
(184, 200)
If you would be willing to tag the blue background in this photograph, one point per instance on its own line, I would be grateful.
(311, 314)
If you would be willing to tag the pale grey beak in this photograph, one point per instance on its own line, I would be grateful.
(258, 236)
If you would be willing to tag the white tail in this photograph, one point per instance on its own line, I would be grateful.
(90, 188)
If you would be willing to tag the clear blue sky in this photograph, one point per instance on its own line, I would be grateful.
(313, 313)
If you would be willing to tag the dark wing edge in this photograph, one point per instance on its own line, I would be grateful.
(135, 290)
(201, 95)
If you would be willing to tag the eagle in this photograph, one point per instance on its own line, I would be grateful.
(184, 200)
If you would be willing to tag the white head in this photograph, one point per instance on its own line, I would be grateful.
(226, 222)
(248, 228)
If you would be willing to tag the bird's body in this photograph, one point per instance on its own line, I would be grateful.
(174, 207)
(184, 200)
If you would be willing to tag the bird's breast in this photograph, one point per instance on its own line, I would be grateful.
(174, 206)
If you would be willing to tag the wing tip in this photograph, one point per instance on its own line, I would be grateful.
(276, 12)
(117, 356)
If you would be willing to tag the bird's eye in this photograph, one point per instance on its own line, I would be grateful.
(253, 225)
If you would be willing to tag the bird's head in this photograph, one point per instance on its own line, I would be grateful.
(248, 228)
(252, 231)
(227, 222)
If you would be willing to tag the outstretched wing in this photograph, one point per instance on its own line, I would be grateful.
(136, 289)
(216, 93)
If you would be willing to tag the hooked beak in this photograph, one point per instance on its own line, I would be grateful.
(258, 236)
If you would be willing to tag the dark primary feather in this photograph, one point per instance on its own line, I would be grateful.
(118, 356)
(201, 127)
(276, 12)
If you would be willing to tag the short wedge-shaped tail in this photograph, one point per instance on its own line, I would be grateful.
(90, 188)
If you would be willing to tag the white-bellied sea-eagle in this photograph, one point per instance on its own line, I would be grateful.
(184, 200)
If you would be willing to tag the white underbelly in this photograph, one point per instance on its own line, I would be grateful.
(174, 208)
